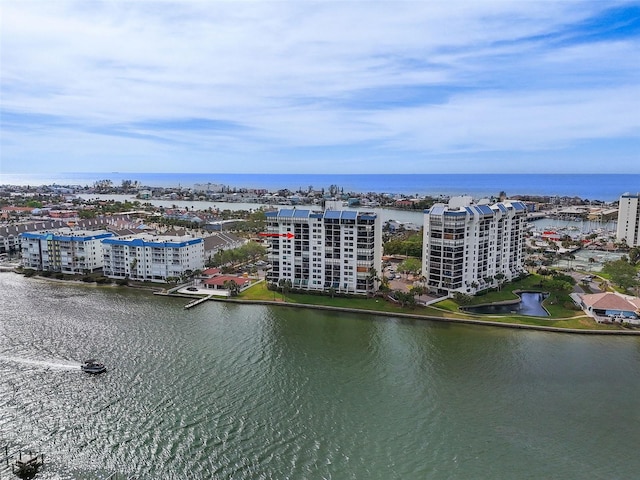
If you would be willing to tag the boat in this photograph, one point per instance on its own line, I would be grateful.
(93, 366)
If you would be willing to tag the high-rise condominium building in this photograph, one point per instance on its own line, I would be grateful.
(471, 247)
(629, 219)
(323, 250)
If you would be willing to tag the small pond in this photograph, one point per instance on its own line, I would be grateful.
(530, 304)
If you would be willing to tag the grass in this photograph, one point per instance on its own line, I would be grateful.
(561, 317)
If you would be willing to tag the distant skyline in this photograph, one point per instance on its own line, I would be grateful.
(319, 87)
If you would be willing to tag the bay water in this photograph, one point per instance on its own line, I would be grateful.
(235, 391)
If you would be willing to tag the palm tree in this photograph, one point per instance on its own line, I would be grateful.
(285, 285)
(232, 287)
(372, 279)
(133, 265)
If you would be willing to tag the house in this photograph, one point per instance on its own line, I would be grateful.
(612, 307)
(219, 282)
(221, 241)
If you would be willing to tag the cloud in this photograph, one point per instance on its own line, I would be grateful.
(290, 81)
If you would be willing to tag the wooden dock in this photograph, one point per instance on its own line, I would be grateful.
(197, 301)
(26, 465)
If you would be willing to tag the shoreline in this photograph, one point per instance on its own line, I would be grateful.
(161, 291)
(415, 316)
(610, 185)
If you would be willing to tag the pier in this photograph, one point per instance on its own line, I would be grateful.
(26, 465)
(197, 302)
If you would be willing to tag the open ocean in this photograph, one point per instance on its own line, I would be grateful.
(605, 187)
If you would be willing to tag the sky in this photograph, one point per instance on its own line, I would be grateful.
(358, 86)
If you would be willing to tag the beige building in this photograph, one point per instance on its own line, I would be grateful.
(469, 247)
(323, 250)
(629, 219)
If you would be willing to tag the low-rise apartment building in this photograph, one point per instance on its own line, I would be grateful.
(63, 250)
(324, 250)
(151, 257)
(471, 247)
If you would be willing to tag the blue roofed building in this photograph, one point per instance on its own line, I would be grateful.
(63, 250)
(323, 250)
(152, 257)
(469, 247)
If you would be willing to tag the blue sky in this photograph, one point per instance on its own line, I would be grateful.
(320, 87)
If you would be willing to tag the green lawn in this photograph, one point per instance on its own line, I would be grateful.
(561, 317)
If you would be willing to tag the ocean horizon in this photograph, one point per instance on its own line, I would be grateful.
(602, 187)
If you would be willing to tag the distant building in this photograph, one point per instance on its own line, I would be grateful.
(208, 188)
(221, 241)
(63, 250)
(10, 234)
(150, 257)
(318, 250)
(466, 245)
(629, 219)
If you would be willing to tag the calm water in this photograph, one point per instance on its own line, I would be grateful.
(251, 392)
(530, 304)
(606, 187)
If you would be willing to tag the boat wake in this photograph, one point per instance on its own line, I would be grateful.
(56, 365)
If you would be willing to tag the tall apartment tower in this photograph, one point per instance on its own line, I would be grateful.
(316, 250)
(466, 245)
(629, 219)
(63, 250)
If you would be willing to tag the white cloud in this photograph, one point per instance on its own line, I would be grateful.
(503, 75)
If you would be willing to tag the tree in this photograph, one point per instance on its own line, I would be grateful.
(384, 284)
(372, 278)
(499, 277)
(404, 298)
(417, 290)
(462, 298)
(410, 265)
(285, 285)
(622, 273)
(133, 266)
(232, 287)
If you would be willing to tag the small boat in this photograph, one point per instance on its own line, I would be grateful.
(93, 366)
